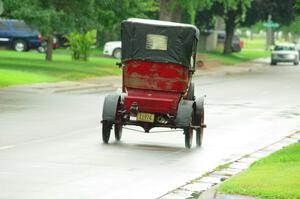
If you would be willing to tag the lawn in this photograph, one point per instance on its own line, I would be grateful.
(257, 43)
(276, 176)
(235, 58)
(30, 67)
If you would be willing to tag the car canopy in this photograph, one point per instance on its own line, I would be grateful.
(158, 41)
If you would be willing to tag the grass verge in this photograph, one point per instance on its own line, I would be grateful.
(276, 176)
(235, 58)
(30, 67)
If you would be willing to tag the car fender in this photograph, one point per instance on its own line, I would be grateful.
(110, 107)
(184, 113)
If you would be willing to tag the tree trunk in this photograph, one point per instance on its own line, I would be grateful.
(170, 10)
(230, 26)
(49, 49)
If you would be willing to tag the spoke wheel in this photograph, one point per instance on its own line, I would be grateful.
(199, 132)
(106, 128)
(188, 137)
(118, 131)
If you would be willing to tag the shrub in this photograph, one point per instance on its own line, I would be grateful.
(81, 44)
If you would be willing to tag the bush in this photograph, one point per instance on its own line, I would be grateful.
(81, 44)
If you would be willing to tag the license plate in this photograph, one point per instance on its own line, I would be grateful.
(145, 117)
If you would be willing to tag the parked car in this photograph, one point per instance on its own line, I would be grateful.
(113, 48)
(237, 43)
(17, 35)
(285, 53)
(43, 47)
(298, 46)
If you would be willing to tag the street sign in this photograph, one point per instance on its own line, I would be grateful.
(271, 24)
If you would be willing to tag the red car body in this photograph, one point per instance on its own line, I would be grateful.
(157, 91)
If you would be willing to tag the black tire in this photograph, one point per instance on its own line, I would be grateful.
(118, 132)
(199, 132)
(191, 92)
(117, 53)
(296, 63)
(20, 45)
(106, 128)
(188, 137)
(273, 63)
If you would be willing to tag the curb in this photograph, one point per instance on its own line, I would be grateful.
(205, 187)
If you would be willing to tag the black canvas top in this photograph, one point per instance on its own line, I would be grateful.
(158, 41)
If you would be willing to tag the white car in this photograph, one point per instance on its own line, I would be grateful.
(285, 53)
(113, 48)
(298, 45)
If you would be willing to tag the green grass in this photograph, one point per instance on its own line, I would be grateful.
(30, 67)
(235, 58)
(254, 44)
(276, 176)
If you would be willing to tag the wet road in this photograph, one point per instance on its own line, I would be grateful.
(50, 144)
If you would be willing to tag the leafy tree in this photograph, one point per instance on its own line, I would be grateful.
(110, 13)
(233, 12)
(283, 12)
(52, 16)
(172, 10)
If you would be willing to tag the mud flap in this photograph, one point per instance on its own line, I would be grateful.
(110, 107)
(184, 113)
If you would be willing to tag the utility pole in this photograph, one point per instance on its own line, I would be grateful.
(270, 26)
(269, 33)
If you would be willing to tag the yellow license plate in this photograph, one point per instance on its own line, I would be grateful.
(145, 117)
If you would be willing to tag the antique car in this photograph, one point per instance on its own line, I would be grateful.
(158, 62)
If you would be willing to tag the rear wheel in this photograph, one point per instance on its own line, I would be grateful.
(188, 133)
(106, 128)
(199, 132)
(118, 132)
(273, 63)
(20, 45)
(296, 63)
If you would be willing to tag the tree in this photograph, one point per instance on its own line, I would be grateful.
(172, 10)
(52, 16)
(233, 12)
(110, 13)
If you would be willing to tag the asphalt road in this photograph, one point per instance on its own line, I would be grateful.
(50, 144)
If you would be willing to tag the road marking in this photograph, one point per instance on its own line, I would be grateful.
(6, 147)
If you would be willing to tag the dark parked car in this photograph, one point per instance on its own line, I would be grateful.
(17, 35)
(237, 43)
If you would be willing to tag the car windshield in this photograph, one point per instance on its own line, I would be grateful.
(288, 48)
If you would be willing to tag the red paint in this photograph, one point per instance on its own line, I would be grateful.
(155, 87)
(152, 101)
(156, 76)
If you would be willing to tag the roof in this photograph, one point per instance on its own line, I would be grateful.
(286, 44)
(163, 24)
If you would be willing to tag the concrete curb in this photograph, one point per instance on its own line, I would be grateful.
(205, 187)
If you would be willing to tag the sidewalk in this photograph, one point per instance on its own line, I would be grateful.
(111, 83)
(206, 186)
